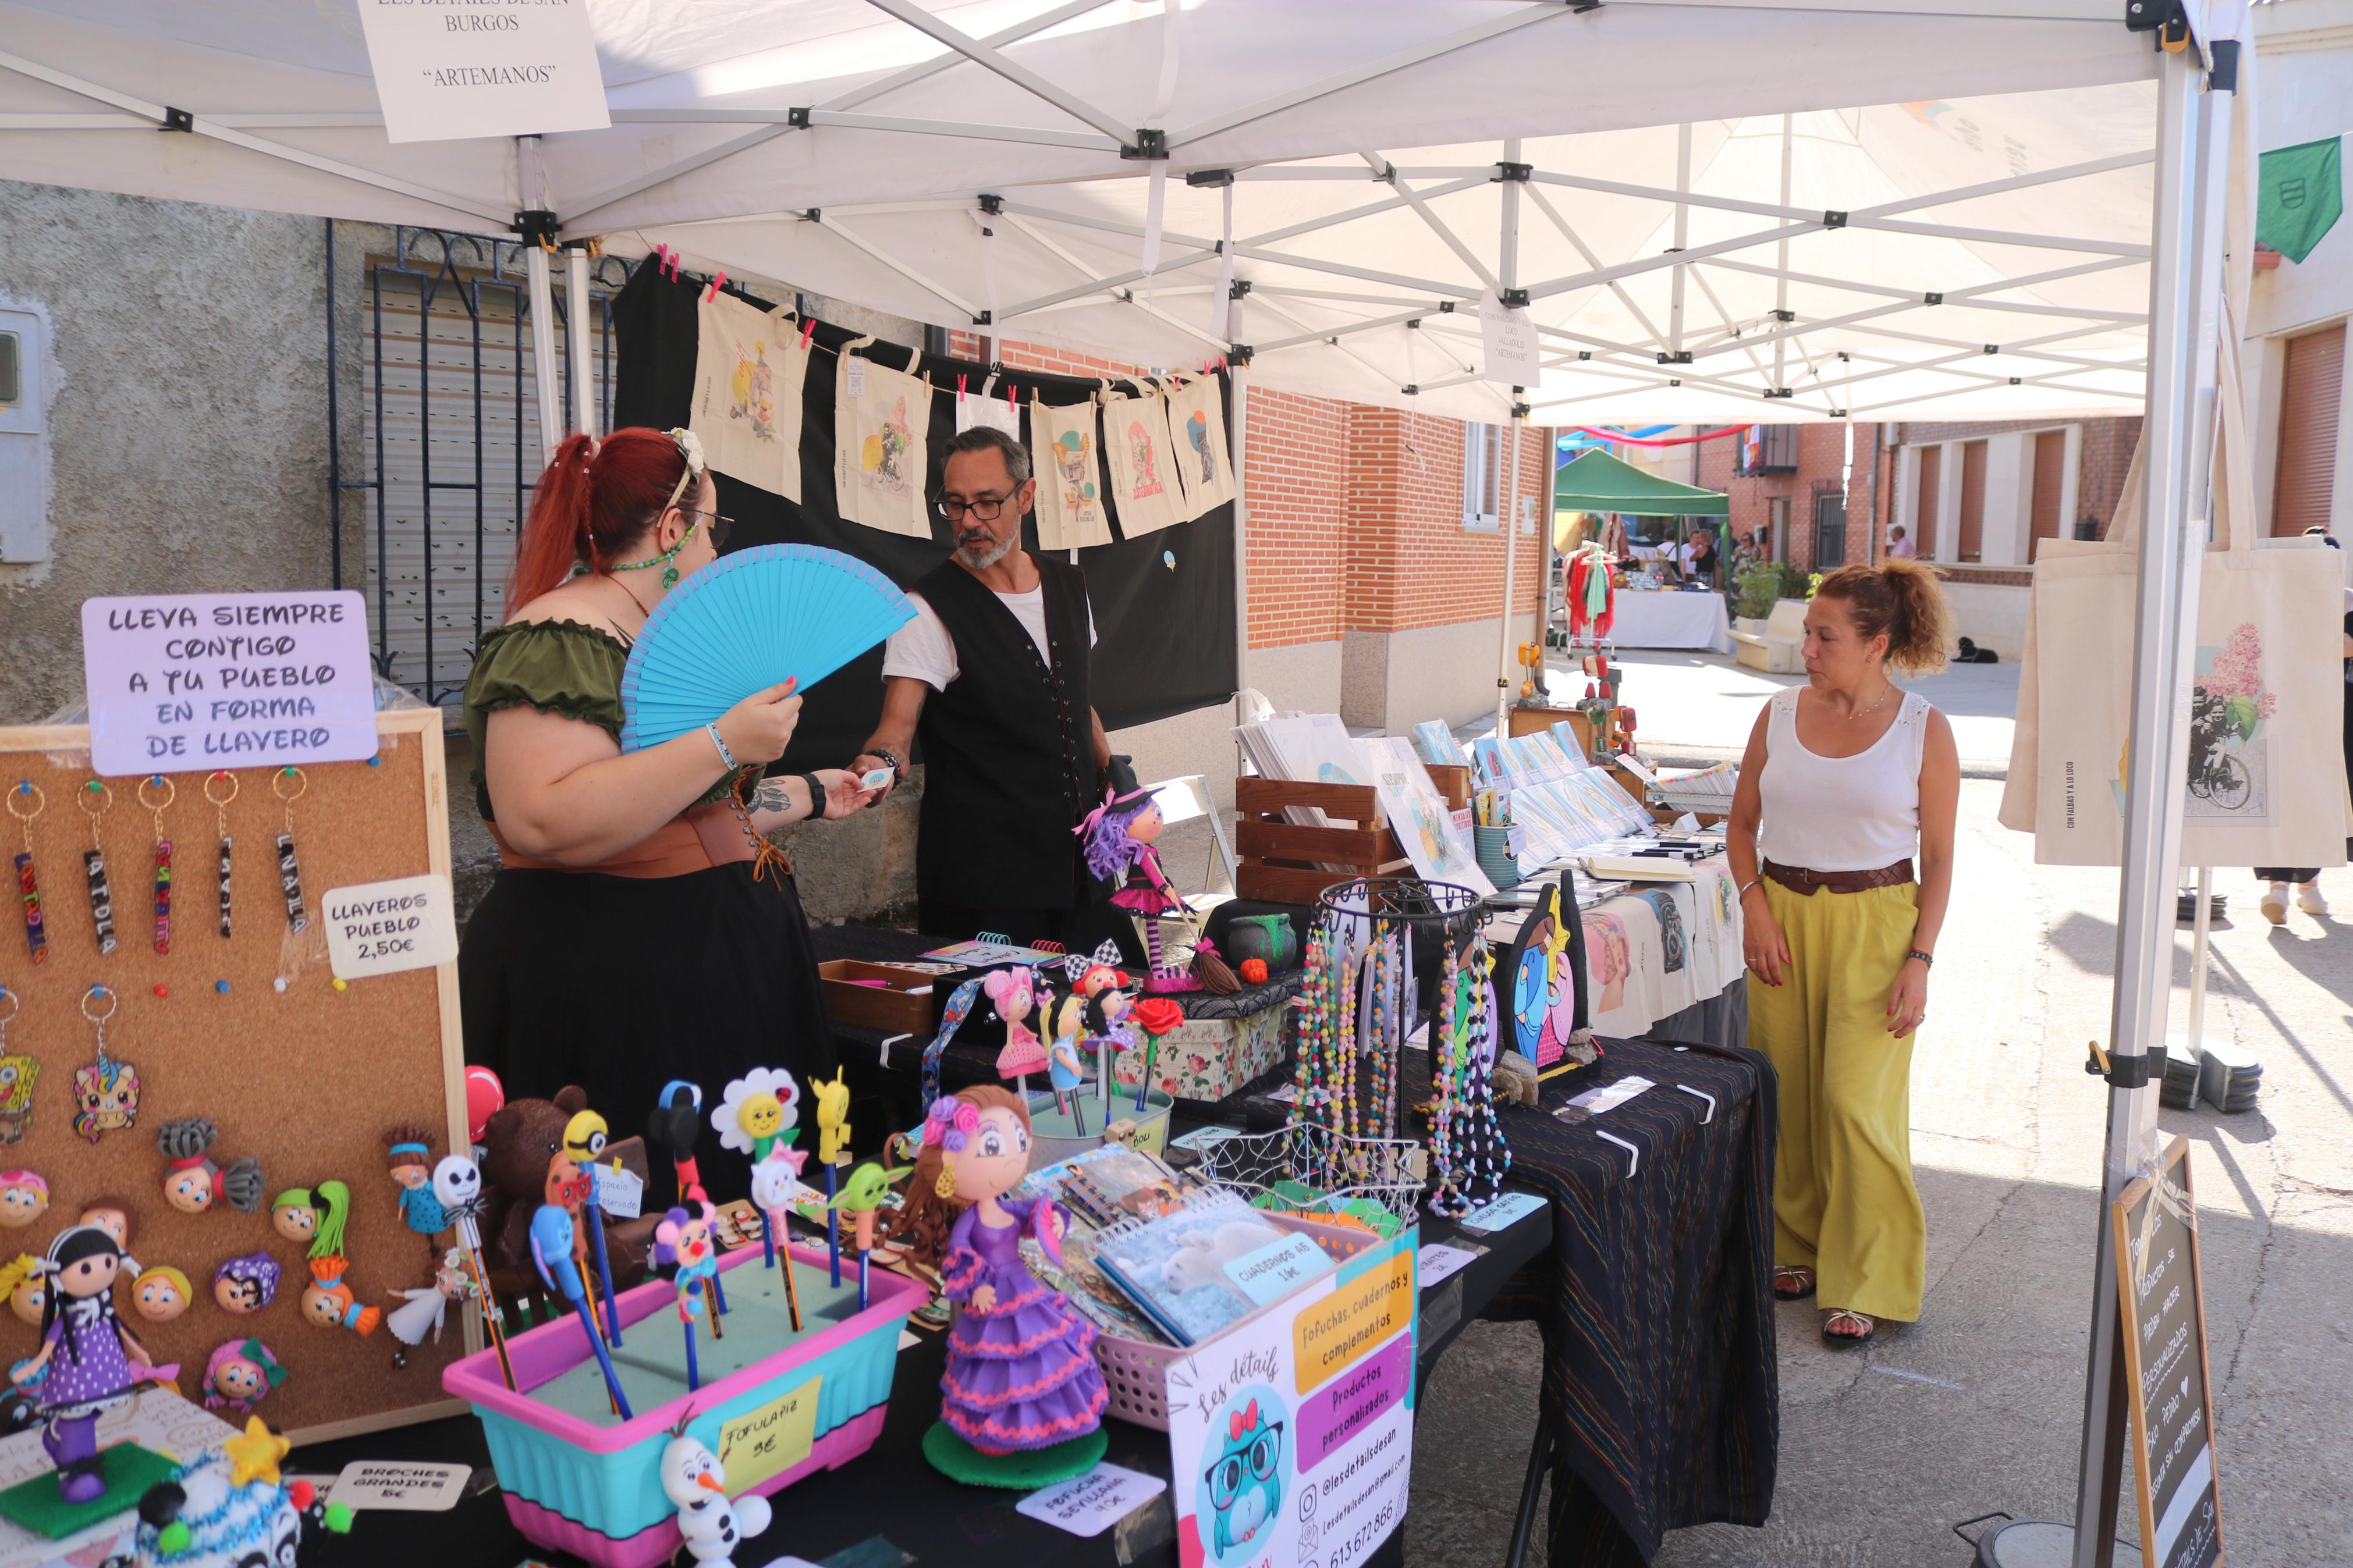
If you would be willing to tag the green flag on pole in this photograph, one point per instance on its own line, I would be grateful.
(2302, 194)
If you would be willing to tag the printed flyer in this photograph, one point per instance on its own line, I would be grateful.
(1293, 1434)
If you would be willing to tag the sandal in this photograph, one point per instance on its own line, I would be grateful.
(1798, 1279)
(1847, 1341)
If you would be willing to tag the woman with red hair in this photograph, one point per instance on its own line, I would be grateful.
(642, 927)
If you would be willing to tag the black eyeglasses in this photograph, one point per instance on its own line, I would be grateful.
(988, 508)
(719, 525)
(1226, 1477)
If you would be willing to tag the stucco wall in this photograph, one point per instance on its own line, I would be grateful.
(188, 433)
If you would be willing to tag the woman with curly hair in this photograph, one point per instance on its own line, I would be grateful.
(1846, 780)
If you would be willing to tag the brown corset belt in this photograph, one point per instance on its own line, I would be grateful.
(695, 840)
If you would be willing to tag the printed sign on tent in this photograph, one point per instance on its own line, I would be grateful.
(490, 68)
(1196, 430)
(749, 367)
(1143, 486)
(881, 423)
(187, 682)
(1070, 514)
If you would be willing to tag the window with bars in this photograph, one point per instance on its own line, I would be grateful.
(1482, 475)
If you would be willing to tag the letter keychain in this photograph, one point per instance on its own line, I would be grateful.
(94, 799)
(106, 1092)
(290, 874)
(163, 858)
(221, 803)
(26, 886)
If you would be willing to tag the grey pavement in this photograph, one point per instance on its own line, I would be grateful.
(1977, 1406)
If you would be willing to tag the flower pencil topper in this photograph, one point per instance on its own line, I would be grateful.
(758, 1111)
(193, 1181)
(330, 1303)
(161, 1294)
(1156, 1017)
(24, 1198)
(239, 1375)
(245, 1284)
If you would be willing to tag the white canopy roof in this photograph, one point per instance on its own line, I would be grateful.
(2006, 173)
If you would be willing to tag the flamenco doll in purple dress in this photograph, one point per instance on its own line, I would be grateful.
(89, 1361)
(1118, 838)
(1021, 1375)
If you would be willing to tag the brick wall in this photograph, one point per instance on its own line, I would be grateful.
(1821, 453)
(1302, 548)
(2104, 453)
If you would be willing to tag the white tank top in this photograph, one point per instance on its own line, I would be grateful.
(1841, 813)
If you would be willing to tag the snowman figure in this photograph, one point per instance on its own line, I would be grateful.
(693, 1479)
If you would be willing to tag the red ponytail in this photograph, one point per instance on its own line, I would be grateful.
(593, 501)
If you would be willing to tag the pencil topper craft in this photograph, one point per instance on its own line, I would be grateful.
(712, 1527)
(24, 1198)
(161, 1294)
(407, 1154)
(585, 1135)
(673, 1125)
(330, 1303)
(833, 1118)
(758, 1111)
(239, 1375)
(315, 1215)
(245, 1284)
(20, 1281)
(193, 1181)
(457, 1187)
(424, 1309)
(1013, 992)
(686, 1241)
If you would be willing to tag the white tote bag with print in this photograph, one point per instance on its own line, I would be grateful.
(1143, 489)
(749, 369)
(882, 428)
(1198, 450)
(2265, 782)
(1070, 512)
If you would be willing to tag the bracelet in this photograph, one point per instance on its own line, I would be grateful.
(898, 768)
(726, 755)
(1752, 882)
(1927, 958)
(817, 797)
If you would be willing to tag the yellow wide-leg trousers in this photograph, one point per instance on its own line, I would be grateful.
(1843, 1201)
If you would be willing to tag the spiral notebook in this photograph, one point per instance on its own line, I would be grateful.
(1204, 1268)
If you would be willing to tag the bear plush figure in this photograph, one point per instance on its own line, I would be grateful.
(523, 1151)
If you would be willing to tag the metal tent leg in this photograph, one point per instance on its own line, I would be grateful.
(1524, 1523)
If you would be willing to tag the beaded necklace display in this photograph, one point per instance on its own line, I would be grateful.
(1445, 1155)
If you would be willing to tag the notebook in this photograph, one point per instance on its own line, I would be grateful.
(1199, 1271)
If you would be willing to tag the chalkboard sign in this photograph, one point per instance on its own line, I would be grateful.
(2164, 1303)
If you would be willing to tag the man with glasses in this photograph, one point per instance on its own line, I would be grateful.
(992, 676)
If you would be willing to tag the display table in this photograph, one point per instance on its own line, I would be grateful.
(890, 1493)
(1669, 619)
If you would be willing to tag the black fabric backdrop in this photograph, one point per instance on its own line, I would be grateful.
(1164, 604)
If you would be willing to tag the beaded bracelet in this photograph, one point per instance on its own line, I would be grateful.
(726, 755)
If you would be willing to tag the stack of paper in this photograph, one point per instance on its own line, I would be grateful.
(1560, 808)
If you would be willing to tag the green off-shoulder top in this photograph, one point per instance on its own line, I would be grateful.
(556, 666)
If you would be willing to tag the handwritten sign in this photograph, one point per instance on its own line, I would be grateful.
(384, 928)
(400, 1487)
(1092, 1503)
(2164, 1304)
(1509, 345)
(771, 1439)
(192, 682)
(450, 68)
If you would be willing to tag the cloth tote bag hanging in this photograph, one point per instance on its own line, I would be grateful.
(1143, 488)
(1196, 430)
(1070, 514)
(749, 367)
(881, 425)
(2265, 782)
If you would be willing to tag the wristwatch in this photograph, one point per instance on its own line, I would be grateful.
(817, 797)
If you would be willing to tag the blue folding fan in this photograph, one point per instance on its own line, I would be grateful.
(746, 622)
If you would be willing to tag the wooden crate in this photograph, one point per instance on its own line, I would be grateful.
(1520, 721)
(1284, 863)
(1453, 782)
(902, 1002)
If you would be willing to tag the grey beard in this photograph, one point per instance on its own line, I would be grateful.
(989, 557)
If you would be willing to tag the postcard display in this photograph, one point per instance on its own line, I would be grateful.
(235, 1018)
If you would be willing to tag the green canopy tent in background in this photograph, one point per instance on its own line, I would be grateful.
(1600, 482)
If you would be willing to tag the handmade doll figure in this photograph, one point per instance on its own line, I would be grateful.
(90, 1361)
(246, 1285)
(330, 1303)
(1020, 1374)
(1118, 836)
(1013, 992)
(696, 1484)
(1066, 1069)
(24, 1198)
(314, 1215)
(20, 1280)
(161, 1294)
(684, 1239)
(423, 1310)
(239, 1375)
(409, 1163)
(111, 1218)
(194, 1182)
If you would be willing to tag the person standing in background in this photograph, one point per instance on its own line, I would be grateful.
(1899, 548)
(1844, 781)
(2306, 878)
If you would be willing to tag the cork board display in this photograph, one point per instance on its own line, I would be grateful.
(250, 1032)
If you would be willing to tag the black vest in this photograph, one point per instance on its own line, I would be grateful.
(1008, 751)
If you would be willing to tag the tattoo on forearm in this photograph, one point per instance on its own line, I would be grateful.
(772, 796)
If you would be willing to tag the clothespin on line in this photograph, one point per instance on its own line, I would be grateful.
(808, 331)
(717, 282)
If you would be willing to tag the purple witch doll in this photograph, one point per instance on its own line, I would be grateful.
(1118, 838)
(1020, 1370)
(89, 1361)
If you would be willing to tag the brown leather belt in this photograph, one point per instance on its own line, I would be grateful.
(1799, 879)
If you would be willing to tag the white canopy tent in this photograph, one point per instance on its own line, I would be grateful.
(2035, 228)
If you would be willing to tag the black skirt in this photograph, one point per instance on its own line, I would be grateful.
(622, 983)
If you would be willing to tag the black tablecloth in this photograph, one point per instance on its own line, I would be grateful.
(1660, 1385)
(889, 1491)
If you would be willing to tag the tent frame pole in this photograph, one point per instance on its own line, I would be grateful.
(579, 315)
(548, 372)
(2193, 132)
(1507, 259)
(1238, 423)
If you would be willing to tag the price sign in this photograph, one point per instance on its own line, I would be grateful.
(2164, 1303)
(383, 928)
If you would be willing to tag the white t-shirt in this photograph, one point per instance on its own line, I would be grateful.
(923, 650)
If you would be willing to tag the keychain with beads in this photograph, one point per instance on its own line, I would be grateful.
(25, 802)
(289, 872)
(162, 856)
(220, 803)
(94, 798)
(106, 1092)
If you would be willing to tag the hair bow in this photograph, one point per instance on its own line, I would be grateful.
(1242, 1421)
